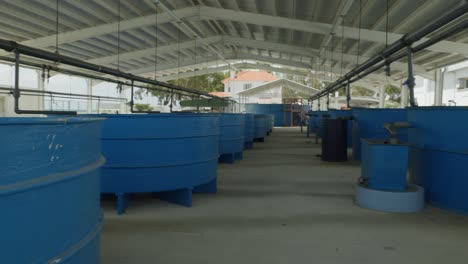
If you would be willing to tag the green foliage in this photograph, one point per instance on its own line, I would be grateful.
(143, 107)
(205, 83)
(289, 93)
(394, 93)
(361, 91)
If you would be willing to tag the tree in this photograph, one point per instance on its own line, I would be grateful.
(143, 107)
(204, 83)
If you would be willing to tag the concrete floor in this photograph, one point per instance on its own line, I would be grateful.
(281, 204)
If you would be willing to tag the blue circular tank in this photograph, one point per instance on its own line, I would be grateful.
(316, 121)
(170, 154)
(271, 123)
(280, 112)
(335, 113)
(261, 127)
(231, 140)
(439, 155)
(49, 190)
(249, 130)
(369, 123)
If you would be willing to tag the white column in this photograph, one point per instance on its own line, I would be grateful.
(337, 105)
(382, 96)
(404, 95)
(439, 86)
(89, 101)
(40, 86)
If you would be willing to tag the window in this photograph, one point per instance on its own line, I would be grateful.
(247, 86)
(462, 83)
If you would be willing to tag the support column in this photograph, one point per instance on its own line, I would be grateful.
(89, 101)
(41, 87)
(382, 96)
(439, 86)
(337, 105)
(404, 95)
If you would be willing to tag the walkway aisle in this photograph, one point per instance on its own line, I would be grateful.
(281, 204)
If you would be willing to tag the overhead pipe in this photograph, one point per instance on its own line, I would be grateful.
(404, 41)
(12, 46)
(399, 55)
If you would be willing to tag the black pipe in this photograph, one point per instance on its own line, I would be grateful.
(57, 58)
(32, 92)
(404, 41)
(17, 95)
(411, 81)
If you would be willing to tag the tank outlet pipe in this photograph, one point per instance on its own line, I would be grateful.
(392, 129)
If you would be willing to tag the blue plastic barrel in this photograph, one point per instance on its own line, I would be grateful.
(167, 154)
(249, 130)
(261, 127)
(335, 113)
(231, 140)
(49, 190)
(439, 155)
(369, 123)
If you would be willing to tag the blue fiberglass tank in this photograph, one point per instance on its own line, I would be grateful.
(439, 155)
(249, 130)
(168, 154)
(231, 139)
(49, 190)
(369, 123)
(319, 116)
(269, 109)
(261, 127)
(335, 113)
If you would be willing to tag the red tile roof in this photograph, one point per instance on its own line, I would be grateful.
(252, 76)
(221, 94)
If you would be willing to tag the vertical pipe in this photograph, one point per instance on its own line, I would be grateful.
(348, 93)
(172, 100)
(404, 95)
(17, 90)
(439, 86)
(411, 81)
(382, 97)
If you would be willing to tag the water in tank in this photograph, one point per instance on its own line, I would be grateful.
(170, 155)
(49, 190)
(439, 155)
(369, 123)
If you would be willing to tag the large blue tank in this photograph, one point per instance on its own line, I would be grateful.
(335, 113)
(439, 155)
(249, 130)
(168, 154)
(281, 118)
(261, 127)
(49, 190)
(369, 123)
(317, 122)
(231, 140)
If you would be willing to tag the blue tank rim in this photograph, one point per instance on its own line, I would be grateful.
(155, 115)
(379, 109)
(48, 120)
(450, 108)
(233, 114)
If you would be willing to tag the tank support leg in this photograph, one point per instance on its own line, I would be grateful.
(227, 158)
(209, 187)
(122, 202)
(181, 197)
(248, 145)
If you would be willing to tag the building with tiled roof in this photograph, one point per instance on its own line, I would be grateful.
(250, 79)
